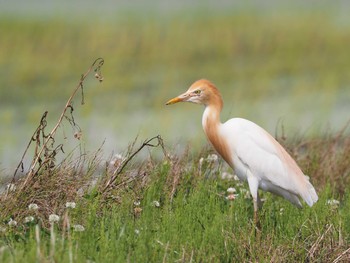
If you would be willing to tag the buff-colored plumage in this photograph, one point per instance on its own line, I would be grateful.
(252, 152)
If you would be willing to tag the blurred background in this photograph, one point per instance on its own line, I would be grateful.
(275, 62)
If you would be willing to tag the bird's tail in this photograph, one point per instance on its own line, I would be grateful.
(309, 195)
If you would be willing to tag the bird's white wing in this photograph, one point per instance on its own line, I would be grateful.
(266, 159)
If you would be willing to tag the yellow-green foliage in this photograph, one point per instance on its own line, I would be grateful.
(275, 53)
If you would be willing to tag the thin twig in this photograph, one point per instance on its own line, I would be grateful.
(26, 150)
(341, 255)
(131, 156)
(318, 241)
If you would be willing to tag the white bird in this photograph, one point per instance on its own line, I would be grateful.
(251, 151)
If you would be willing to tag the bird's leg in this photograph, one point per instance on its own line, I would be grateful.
(256, 216)
(257, 226)
(253, 187)
(257, 204)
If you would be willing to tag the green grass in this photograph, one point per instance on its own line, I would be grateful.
(193, 223)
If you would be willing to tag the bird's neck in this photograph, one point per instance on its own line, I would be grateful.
(211, 125)
(212, 110)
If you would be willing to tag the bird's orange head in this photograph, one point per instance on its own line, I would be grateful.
(200, 92)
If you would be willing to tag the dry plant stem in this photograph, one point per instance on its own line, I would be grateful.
(30, 142)
(37, 238)
(318, 241)
(340, 257)
(165, 252)
(52, 242)
(96, 67)
(131, 156)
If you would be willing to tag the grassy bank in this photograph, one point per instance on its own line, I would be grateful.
(178, 209)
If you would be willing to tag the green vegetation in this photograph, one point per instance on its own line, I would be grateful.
(177, 209)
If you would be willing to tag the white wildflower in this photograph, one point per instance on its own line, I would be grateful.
(201, 160)
(231, 190)
(227, 176)
(33, 207)
(78, 228)
(70, 205)
(117, 160)
(118, 157)
(137, 203)
(281, 211)
(156, 203)
(236, 178)
(12, 222)
(240, 184)
(11, 187)
(2, 229)
(333, 202)
(246, 193)
(231, 197)
(28, 219)
(212, 158)
(137, 232)
(53, 218)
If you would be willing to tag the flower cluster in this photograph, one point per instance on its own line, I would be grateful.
(333, 203)
(211, 158)
(156, 203)
(28, 219)
(117, 160)
(78, 228)
(227, 176)
(70, 205)
(53, 218)
(33, 207)
(12, 222)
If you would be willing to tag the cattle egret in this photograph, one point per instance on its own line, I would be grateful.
(252, 152)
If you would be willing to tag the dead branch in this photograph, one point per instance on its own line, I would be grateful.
(131, 155)
(20, 164)
(44, 152)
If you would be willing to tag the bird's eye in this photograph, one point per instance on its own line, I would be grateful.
(198, 91)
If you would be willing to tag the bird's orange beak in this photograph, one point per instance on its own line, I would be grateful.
(180, 98)
(174, 100)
